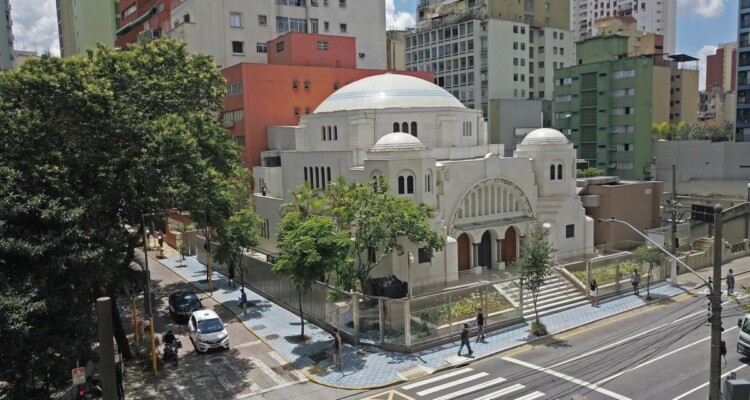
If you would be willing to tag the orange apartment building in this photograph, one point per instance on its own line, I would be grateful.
(302, 71)
(152, 17)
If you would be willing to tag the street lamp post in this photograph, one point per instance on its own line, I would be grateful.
(147, 300)
(409, 261)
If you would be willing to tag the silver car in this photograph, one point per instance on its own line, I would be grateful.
(207, 331)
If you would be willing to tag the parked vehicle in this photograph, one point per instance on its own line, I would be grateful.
(743, 342)
(207, 331)
(183, 304)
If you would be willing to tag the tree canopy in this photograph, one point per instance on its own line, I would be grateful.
(534, 263)
(88, 145)
(651, 256)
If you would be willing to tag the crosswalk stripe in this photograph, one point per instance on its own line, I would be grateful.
(502, 392)
(531, 396)
(471, 389)
(281, 361)
(268, 371)
(437, 378)
(450, 384)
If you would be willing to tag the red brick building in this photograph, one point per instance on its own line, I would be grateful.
(150, 17)
(721, 68)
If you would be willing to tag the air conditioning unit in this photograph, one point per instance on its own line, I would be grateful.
(228, 123)
(361, 55)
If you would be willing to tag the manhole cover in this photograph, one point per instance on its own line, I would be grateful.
(258, 327)
(318, 357)
(272, 337)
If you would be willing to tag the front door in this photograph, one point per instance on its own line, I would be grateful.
(509, 246)
(485, 250)
(464, 252)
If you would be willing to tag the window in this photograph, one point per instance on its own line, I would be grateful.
(129, 11)
(235, 20)
(628, 73)
(322, 45)
(342, 3)
(552, 172)
(424, 255)
(405, 127)
(295, 84)
(234, 88)
(342, 28)
(414, 129)
(313, 25)
(307, 84)
(323, 132)
(325, 26)
(296, 111)
(401, 185)
(261, 48)
(410, 184)
(233, 115)
(570, 231)
(563, 98)
(559, 171)
(238, 47)
(262, 20)
(396, 127)
(279, 47)
(285, 24)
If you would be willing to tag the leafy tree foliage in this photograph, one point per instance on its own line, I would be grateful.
(715, 131)
(651, 256)
(239, 234)
(311, 247)
(88, 145)
(589, 172)
(534, 264)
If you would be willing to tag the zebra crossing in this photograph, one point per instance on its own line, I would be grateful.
(469, 383)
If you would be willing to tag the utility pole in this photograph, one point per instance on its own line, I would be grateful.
(106, 347)
(714, 387)
(673, 247)
(147, 298)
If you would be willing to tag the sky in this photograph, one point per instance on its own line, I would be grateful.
(701, 24)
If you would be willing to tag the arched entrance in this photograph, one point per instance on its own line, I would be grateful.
(485, 250)
(464, 252)
(509, 246)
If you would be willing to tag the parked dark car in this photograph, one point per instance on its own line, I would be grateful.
(182, 304)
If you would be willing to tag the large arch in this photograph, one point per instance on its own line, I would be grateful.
(464, 252)
(492, 198)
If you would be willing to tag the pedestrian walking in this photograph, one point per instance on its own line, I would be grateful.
(232, 283)
(338, 356)
(465, 340)
(635, 280)
(730, 283)
(594, 292)
(243, 300)
(480, 324)
(160, 237)
(264, 189)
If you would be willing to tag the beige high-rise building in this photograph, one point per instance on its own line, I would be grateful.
(82, 24)
(395, 50)
(235, 31)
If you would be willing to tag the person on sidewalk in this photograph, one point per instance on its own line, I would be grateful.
(594, 292)
(465, 340)
(232, 283)
(635, 280)
(243, 300)
(336, 353)
(730, 283)
(480, 324)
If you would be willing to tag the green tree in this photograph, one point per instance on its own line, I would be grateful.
(89, 144)
(240, 233)
(311, 247)
(306, 201)
(589, 172)
(651, 256)
(534, 264)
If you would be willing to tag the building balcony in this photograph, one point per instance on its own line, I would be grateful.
(744, 4)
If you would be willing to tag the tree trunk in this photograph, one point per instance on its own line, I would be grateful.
(119, 331)
(301, 316)
(648, 282)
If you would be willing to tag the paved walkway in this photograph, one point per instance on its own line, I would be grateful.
(370, 367)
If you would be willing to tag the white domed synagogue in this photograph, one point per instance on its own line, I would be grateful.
(435, 151)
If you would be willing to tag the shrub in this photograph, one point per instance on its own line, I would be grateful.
(538, 329)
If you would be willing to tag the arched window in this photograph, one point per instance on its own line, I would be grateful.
(335, 132)
(329, 173)
(410, 184)
(400, 185)
(405, 127)
(552, 172)
(324, 132)
(317, 177)
(414, 128)
(305, 168)
(396, 127)
(559, 171)
(329, 132)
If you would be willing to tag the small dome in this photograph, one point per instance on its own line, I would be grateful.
(398, 141)
(388, 91)
(545, 136)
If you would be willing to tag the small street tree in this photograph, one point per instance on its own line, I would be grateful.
(534, 264)
(240, 233)
(651, 256)
(311, 247)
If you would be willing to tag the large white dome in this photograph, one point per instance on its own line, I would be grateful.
(545, 136)
(388, 91)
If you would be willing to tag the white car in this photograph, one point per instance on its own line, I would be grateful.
(207, 331)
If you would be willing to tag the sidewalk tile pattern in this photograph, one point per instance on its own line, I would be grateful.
(380, 367)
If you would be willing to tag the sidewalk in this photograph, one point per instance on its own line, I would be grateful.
(370, 367)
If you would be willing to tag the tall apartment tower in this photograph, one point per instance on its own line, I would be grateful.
(6, 38)
(482, 50)
(721, 68)
(742, 125)
(235, 31)
(653, 16)
(82, 24)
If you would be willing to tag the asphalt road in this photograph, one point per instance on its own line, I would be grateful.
(656, 352)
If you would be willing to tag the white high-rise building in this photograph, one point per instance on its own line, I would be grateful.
(653, 16)
(235, 31)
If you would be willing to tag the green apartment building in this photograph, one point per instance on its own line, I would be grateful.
(609, 101)
(81, 24)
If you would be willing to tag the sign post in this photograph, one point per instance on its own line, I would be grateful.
(79, 375)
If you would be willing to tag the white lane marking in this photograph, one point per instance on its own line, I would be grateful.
(437, 378)
(248, 344)
(268, 371)
(282, 361)
(568, 378)
(450, 384)
(531, 396)
(607, 379)
(502, 392)
(471, 389)
(691, 391)
(260, 392)
(619, 342)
